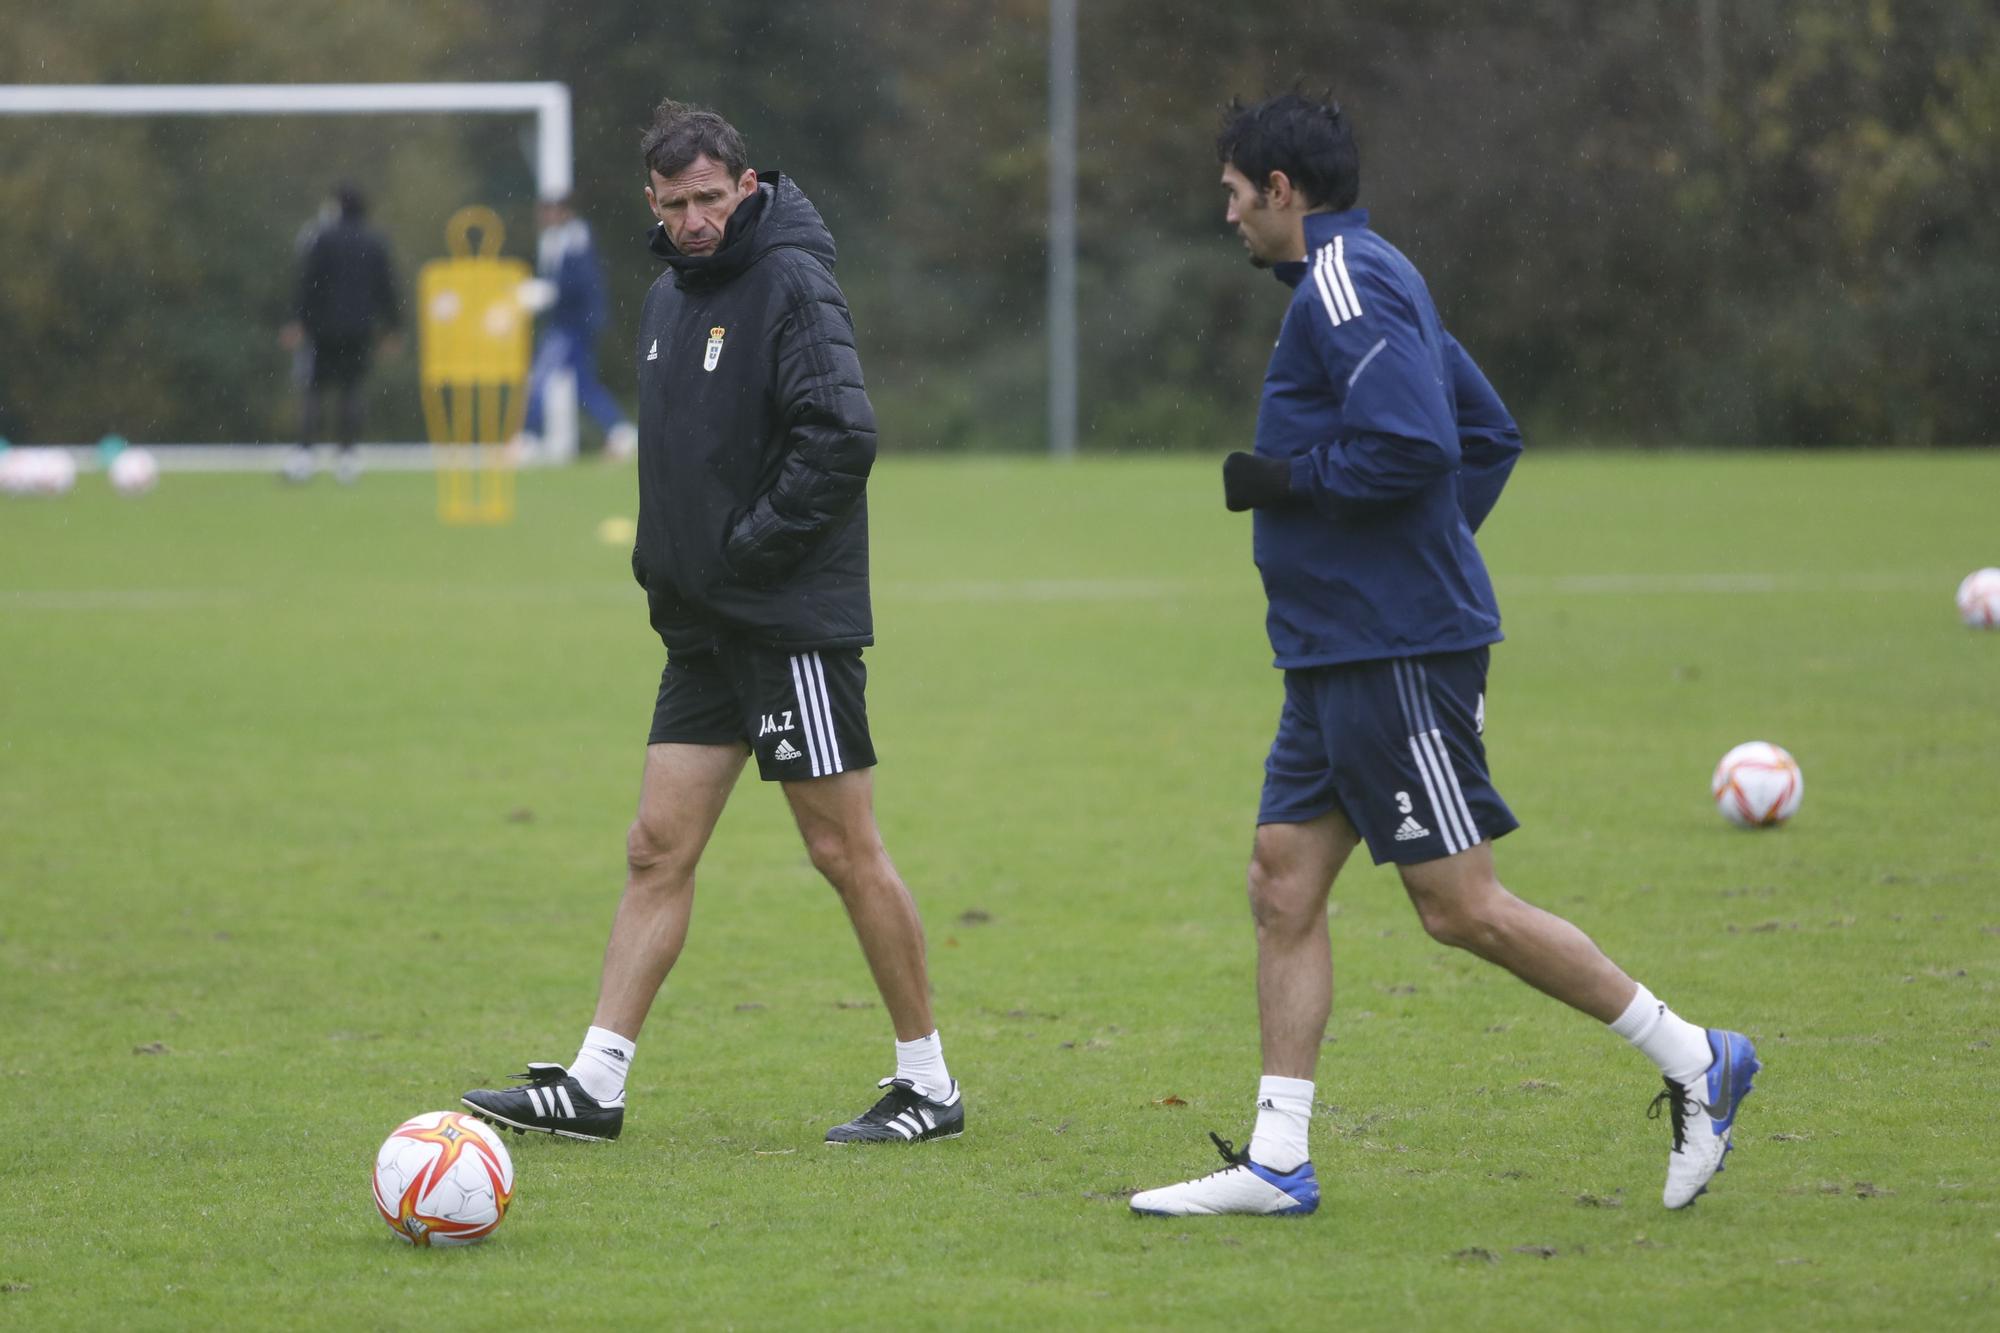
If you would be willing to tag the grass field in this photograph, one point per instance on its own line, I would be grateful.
(312, 815)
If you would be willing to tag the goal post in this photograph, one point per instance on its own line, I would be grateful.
(547, 102)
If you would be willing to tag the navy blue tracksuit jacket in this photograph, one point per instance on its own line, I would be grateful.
(1399, 448)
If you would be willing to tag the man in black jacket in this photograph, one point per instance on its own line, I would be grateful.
(346, 298)
(755, 441)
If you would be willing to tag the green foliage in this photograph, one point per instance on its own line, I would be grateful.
(314, 817)
(1721, 220)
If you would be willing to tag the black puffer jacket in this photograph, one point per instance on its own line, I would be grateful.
(755, 438)
(345, 289)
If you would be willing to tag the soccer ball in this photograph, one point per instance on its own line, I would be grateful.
(37, 472)
(1757, 784)
(1979, 599)
(443, 1179)
(134, 472)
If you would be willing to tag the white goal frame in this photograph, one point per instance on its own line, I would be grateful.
(549, 103)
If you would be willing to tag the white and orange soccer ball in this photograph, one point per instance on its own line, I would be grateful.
(1979, 599)
(1757, 784)
(442, 1178)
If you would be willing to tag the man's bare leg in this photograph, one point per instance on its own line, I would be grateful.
(681, 795)
(836, 817)
(1463, 904)
(1708, 1072)
(1292, 867)
(680, 798)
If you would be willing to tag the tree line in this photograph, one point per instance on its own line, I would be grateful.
(1731, 222)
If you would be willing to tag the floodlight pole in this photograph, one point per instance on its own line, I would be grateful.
(1062, 228)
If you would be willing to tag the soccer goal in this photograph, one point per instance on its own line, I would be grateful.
(553, 158)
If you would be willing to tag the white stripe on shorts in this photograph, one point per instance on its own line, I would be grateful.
(816, 715)
(1427, 750)
(826, 711)
(808, 718)
(1451, 774)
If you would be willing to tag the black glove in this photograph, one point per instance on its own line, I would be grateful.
(1252, 482)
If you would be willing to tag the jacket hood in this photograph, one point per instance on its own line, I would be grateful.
(778, 216)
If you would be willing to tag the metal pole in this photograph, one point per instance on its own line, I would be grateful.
(554, 170)
(135, 99)
(1062, 228)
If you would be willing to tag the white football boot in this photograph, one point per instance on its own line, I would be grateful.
(1242, 1187)
(1703, 1112)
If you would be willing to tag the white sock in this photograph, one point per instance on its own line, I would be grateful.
(1677, 1046)
(922, 1063)
(601, 1064)
(1284, 1111)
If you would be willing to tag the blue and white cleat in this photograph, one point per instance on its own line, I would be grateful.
(1703, 1113)
(1243, 1187)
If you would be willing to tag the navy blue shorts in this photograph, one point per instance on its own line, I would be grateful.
(1395, 746)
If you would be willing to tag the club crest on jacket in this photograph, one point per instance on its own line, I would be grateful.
(714, 348)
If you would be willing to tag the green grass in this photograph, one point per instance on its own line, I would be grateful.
(328, 801)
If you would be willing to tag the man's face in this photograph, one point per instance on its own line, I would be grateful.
(696, 202)
(1265, 219)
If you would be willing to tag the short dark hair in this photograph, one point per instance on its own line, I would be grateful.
(351, 202)
(1305, 137)
(680, 133)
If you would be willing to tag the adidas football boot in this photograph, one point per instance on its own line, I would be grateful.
(1241, 1187)
(904, 1115)
(551, 1103)
(1702, 1113)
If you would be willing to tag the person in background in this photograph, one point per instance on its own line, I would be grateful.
(568, 291)
(345, 301)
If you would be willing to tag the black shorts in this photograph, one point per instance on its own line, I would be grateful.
(338, 363)
(1397, 746)
(802, 714)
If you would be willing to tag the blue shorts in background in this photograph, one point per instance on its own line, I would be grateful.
(1394, 745)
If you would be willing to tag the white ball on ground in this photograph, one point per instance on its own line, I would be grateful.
(1757, 785)
(442, 1178)
(1979, 599)
(134, 472)
(37, 472)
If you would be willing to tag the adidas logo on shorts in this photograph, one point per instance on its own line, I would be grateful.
(1410, 830)
(785, 750)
